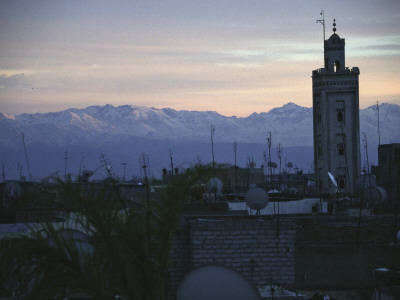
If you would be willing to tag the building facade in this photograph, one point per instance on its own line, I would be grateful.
(388, 175)
(336, 122)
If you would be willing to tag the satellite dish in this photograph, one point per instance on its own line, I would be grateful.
(256, 198)
(215, 282)
(332, 179)
(364, 181)
(374, 195)
(214, 185)
(12, 189)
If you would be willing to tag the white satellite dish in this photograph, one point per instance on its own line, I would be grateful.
(332, 179)
(215, 282)
(256, 198)
(214, 185)
(374, 195)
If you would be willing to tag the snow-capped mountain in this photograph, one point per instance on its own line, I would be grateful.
(124, 131)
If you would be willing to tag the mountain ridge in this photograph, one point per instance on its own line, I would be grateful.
(133, 129)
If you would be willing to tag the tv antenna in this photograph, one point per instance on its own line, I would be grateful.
(379, 131)
(26, 156)
(4, 174)
(107, 166)
(280, 163)
(124, 165)
(145, 169)
(212, 144)
(322, 21)
(172, 164)
(235, 150)
(269, 140)
(65, 165)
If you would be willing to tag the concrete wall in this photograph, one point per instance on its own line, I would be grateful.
(332, 252)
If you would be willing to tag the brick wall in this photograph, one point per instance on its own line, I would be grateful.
(260, 249)
(333, 252)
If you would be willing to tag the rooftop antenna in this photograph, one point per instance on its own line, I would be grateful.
(124, 165)
(26, 156)
(379, 131)
(280, 163)
(269, 140)
(144, 166)
(20, 171)
(65, 165)
(365, 144)
(212, 144)
(235, 150)
(322, 21)
(107, 166)
(172, 164)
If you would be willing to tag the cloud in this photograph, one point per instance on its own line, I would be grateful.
(15, 81)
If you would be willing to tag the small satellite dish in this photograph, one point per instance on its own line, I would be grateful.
(214, 185)
(256, 198)
(332, 179)
(215, 282)
(12, 189)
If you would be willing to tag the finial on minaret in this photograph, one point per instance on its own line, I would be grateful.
(334, 25)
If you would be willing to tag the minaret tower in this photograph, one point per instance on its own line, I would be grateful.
(336, 119)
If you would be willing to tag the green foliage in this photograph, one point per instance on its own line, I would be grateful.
(107, 246)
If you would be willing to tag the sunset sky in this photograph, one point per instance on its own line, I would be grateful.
(233, 57)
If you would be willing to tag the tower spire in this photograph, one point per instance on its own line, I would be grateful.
(334, 25)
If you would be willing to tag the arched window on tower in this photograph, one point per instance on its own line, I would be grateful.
(340, 111)
(319, 149)
(341, 178)
(318, 112)
(340, 117)
(336, 66)
(341, 144)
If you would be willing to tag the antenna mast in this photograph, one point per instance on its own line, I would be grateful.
(124, 165)
(234, 150)
(65, 165)
(379, 131)
(172, 164)
(322, 21)
(212, 144)
(26, 156)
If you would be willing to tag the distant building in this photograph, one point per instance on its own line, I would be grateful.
(336, 119)
(388, 173)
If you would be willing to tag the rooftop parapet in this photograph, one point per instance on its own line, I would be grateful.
(353, 71)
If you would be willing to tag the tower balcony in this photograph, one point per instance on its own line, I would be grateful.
(347, 70)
